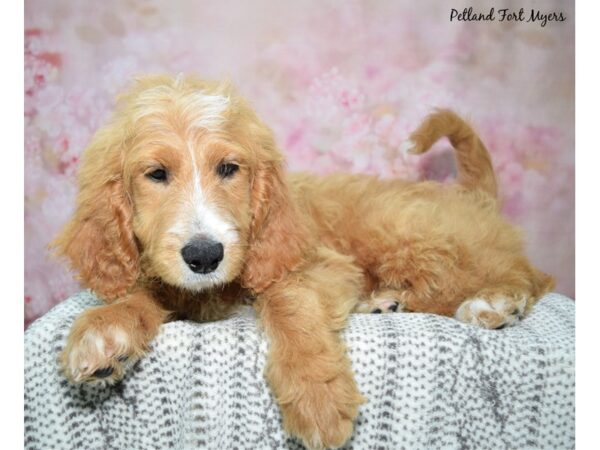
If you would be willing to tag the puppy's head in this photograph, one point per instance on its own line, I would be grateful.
(184, 184)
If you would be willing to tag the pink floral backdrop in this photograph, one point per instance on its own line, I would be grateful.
(342, 83)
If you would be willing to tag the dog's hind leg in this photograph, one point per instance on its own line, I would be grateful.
(424, 275)
(490, 287)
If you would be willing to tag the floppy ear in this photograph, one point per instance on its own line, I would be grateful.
(99, 240)
(278, 235)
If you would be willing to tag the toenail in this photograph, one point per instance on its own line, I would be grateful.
(376, 311)
(394, 307)
(104, 372)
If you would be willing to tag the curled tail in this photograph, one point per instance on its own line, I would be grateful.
(474, 165)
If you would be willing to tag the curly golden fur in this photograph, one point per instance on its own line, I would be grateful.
(184, 160)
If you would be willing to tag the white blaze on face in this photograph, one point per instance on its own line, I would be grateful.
(198, 218)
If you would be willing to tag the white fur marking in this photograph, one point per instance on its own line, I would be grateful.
(97, 341)
(201, 109)
(478, 306)
(407, 147)
(179, 80)
(120, 338)
(208, 110)
(469, 311)
(199, 217)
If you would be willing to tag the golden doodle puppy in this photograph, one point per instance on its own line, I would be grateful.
(184, 209)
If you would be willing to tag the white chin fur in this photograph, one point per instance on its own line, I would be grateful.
(202, 281)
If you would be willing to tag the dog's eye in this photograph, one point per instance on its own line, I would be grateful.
(158, 175)
(225, 170)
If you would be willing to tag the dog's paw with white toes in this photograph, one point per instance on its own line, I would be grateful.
(496, 313)
(97, 355)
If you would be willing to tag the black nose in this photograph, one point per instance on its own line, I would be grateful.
(202, 255)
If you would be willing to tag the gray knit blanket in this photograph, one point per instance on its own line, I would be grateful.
(432, 383)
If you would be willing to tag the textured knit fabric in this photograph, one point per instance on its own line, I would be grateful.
(432, 383)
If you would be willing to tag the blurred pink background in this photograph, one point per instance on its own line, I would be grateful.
(342, 83)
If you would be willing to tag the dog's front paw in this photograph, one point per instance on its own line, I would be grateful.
(97, 351)
(323, 414)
